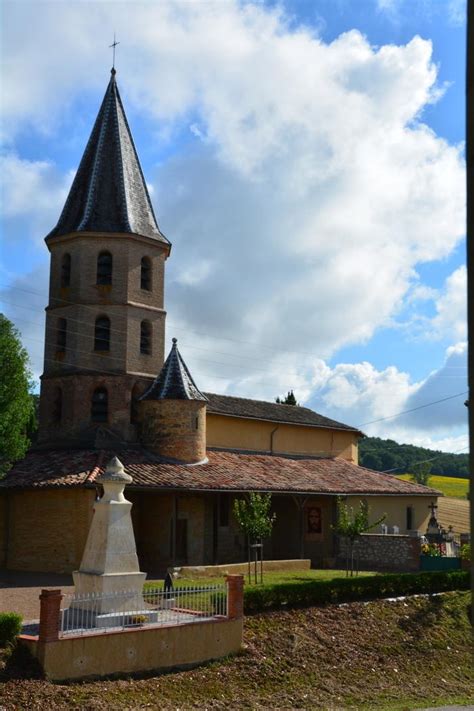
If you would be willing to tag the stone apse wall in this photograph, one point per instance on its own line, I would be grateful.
(389, 552)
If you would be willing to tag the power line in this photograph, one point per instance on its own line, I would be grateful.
(413, 409)
(199, 333)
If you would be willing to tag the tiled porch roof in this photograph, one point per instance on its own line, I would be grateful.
(224, 471)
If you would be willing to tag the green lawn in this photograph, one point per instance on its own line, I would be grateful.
(268, 578)
(449, 485)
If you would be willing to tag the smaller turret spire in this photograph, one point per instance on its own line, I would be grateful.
(174, 381)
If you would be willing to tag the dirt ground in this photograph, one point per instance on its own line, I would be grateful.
(407, 654)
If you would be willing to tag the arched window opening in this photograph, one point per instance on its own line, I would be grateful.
(100, 405)
(57, 409)
(145, 338)
(66, 271)
(102, 334)
(145, 277)
(136, 392)
(61, 335)
(104, 269)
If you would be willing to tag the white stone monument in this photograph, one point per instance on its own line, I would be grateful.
(110, 564)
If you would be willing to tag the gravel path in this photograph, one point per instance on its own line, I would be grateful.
(19, 592)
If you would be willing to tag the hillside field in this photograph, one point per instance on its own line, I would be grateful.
(449, 485)
(382, 656)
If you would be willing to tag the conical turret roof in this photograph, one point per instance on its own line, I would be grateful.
(109, 192)
(174, 382)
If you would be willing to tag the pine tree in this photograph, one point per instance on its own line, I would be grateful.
(288, 400)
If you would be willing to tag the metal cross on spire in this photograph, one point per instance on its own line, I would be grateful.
(114, 44)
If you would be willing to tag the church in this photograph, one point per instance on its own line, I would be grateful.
(108, 390)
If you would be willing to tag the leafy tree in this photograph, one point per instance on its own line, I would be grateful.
(256, 521)
(383, 454)
(288, 400)
(17, 415)
(421, 473)
(351, 525)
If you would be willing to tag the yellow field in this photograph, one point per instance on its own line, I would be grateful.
(450, 486)
(455, 513)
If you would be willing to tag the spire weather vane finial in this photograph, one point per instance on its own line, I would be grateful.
(113, 45)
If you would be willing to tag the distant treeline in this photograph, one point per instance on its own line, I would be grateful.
(385, 454)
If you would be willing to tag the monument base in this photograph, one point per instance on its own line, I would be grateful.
(110, 592)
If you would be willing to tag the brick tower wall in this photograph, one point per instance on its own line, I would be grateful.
(174, 428)
(78, 368)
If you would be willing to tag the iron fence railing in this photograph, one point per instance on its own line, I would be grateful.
(92, 612)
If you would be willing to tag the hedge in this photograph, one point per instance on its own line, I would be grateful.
(10, 627)
(320, 592)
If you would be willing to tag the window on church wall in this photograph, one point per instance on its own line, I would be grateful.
(102, 334)
(104, 269)
(145, 274)
(57, 409)
(145, 338)
(61, 335)
(66, 271)
(100, 405)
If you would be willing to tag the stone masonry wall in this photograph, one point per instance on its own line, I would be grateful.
(174, 428)
(384, 552)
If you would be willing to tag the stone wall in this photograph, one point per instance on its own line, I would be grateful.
(388, 552)
(174, 428)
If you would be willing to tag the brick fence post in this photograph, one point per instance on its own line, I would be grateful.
(235, 596)
(50, 605)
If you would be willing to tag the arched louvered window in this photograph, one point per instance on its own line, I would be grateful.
(61, 335)
(102, 334)
(100, 405)
(104, 268)
(57, 409)
(145, 338)
(66, 271)
(136, 392)
(145, 274)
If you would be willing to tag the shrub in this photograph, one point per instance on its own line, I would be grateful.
(10, 627)
(320, 592)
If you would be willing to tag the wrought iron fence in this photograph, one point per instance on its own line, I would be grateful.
(126, 609)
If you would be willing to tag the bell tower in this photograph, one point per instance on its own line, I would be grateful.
(105, 320)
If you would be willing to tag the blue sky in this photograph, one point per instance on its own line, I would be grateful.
(305, 159)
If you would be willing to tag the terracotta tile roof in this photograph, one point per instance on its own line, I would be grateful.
(224, 471)
(275, 412)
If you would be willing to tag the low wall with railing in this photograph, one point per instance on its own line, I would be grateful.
(87, 636)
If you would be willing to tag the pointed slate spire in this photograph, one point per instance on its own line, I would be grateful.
(174, 381)
(109, 192)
